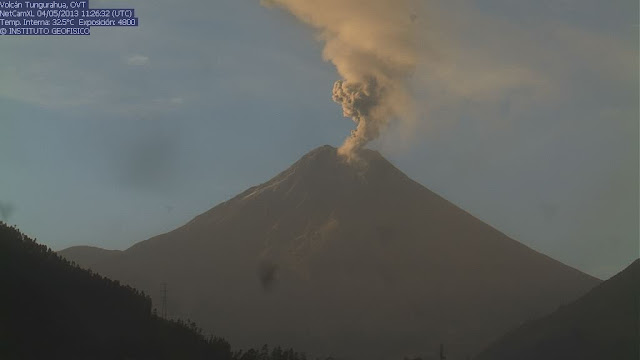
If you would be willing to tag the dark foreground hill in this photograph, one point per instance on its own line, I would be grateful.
(355, 260)
(51, 309)
(603, 324)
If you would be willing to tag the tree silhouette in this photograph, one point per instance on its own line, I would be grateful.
(52, 309)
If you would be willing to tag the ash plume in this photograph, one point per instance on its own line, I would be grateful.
(373, 47)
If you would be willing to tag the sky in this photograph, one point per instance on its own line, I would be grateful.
(526, 116)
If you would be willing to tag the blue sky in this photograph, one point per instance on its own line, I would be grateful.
(528, 119)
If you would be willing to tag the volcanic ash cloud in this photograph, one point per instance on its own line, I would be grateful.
(372, 44)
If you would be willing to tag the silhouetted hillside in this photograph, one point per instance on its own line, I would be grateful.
(354, 260)
(600, 325)
(51, 309)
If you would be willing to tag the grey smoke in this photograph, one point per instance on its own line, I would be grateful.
(358, 101)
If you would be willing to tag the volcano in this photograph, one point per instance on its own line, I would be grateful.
(353, 260)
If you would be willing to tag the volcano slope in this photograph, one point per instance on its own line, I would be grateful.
(354, 260)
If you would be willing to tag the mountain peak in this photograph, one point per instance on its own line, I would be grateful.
(325, 160)
(328, 153)
(325, 173)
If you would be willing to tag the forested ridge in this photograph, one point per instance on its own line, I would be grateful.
(52, 309)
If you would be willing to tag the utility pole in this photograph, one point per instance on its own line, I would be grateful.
(163, 313)
(442, 356)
